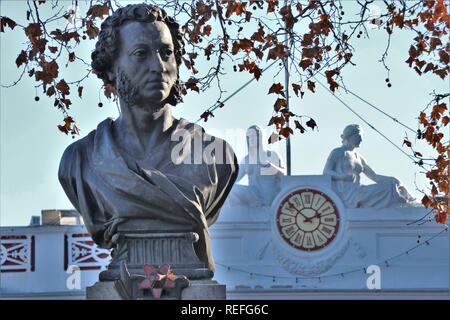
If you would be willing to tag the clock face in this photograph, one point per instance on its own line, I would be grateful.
(307, 219)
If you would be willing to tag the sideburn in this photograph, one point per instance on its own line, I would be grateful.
(125, 90)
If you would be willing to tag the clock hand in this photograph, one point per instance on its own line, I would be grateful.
(302, 215)
(317, 215)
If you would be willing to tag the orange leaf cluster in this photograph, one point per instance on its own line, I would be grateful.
(5, 21)
(98, 11)
(69, 126)
(439, 174)
(235, 7)
(251, 67)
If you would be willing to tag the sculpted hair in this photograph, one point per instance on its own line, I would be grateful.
(350, 130)
(108, 44)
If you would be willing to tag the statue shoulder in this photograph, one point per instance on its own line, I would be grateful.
(83, 146)
(228, 152)
(337, 153)
(74, 154)
(226, 160)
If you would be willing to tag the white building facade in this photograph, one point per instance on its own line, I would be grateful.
(306, 245)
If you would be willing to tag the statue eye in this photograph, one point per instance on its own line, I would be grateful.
(167, 52)
(140, 53)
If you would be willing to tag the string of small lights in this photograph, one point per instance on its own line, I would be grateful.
(384, 263)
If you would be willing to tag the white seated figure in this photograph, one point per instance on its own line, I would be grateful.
(263, 168)
(345, 167)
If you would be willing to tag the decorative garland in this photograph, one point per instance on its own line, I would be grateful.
(340, 274)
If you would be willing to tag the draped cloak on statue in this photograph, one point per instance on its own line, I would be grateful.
(356, 195)
(104, 183)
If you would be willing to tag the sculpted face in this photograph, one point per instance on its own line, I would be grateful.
(146, 69)
(355, 140)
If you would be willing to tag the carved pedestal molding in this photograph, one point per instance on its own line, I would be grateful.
(134, 250)
(175, 249)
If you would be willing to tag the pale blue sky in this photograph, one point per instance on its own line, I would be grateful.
(31, 145)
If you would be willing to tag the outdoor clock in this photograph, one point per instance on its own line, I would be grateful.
(307, 219)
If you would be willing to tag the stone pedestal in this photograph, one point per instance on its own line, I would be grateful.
(104, 290)
(204, 290)
(197, 290)
(135, 249)
(175, 249)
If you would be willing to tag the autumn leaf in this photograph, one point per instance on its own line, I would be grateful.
(441, 217)
(311, 85)
(258, 53)
(277, 88)
(313, 52)
(63, 129)
(443, 57)
(63, 87)
(191, 84)
(288, 18)
(259, 35)
(91, 30)
(305, 63)
(407, 143)
(21, 59)
(80, 91)
(278, 121)
(208, 50)
(438, 110)
(299, 126)
(277, 52)
(205, 115)
(297, 88)
(5, 21)
(311, 123)
(109, 91)
(434, 42)
(51, 91)
(72, 56)
(442, 73)
(272, 4)
(429, 67)
(66, 36)
(333, 84)
(98, 11)
(286, 132)
(53, 49)
(434, 191)
(48, 73)
(251, 67)
(207, 30)
(230, 9)
(66, 128)
(279, 104)
(67, 103)
(246, 45)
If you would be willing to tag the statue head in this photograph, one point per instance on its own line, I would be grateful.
(139, 51)
(352, 135)
(255, 137)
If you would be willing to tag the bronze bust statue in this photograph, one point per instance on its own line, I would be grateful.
(125, 176)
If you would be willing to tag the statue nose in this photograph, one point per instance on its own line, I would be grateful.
(156, 64)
